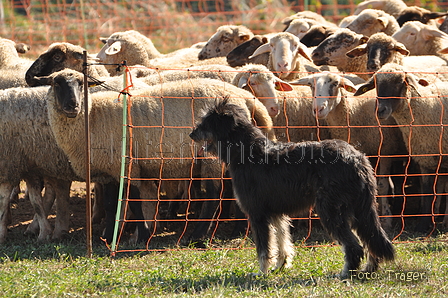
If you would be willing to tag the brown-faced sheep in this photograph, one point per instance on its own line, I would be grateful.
(371, 21)
(225, 39)
(59, 56)
(241, 55)
(420, 110)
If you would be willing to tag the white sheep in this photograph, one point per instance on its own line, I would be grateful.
(29, 152)
(286, 59)
(13, 67)
(392, 7)
(371, 21)
(306, 14)
(422, 39)
(353, 120)
(299, 27)
(213, 71)
(226, 38)
(420, 110)
(169, 111)
(137, 49)
(62, 55)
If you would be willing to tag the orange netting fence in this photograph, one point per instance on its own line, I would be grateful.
(170, 24)
(183, 210)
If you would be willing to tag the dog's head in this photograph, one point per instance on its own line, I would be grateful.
(218, 125)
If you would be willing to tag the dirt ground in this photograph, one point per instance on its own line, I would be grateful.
(172, 233)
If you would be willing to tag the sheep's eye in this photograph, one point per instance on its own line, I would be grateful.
(57, 57)
(225, 39)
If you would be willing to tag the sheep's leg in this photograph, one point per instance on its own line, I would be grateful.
(98, 203)
(5, 193)
(285, 246)
(425, 222)
(384, 185)
(48, 200)
(62, 189)
(35, 188)
(442, 186)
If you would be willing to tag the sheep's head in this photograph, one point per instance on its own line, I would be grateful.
(380, 49)
(56, 58)
(239, 56)
(225, 40)
(332, 51)
(285, 49)
(66, 92)
(393, 85)
(325, 87)
(370, 21)
(263, 84)
(415, 35)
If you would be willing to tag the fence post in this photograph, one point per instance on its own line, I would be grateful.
(87, 133)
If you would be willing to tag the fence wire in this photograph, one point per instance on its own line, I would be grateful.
(174, 216)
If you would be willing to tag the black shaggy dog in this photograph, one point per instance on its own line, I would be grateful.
(275, 180)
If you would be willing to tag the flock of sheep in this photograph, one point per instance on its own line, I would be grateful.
(377, 80)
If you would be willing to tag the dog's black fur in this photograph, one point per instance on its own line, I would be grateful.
(274, 180)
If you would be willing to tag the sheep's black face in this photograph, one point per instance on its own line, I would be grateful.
(47, 63)
(67, 92)
(391, 96)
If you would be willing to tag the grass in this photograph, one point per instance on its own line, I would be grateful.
(61, 270)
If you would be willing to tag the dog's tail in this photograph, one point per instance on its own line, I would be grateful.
(368, 225)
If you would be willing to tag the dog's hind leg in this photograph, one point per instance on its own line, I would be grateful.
(285, 246)
(337, 225)
(263, 236)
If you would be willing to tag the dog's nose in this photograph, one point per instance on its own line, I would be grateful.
(191, 135)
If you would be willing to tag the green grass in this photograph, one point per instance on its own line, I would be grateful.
(29, 269)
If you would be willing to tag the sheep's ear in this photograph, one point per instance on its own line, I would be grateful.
(114, 48)
(363, 39)
(348, 85)
(242, 82)
(244, 37)
(281, 85)
(369, 85)
(383, 21)
(43, 81)
(428, 33)
(443, 51)
(264, 48)
(303, 50)
(399, 47)
(93, 83)
(435, 15)
(358, 51)
(413, 82)
(306, 81)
